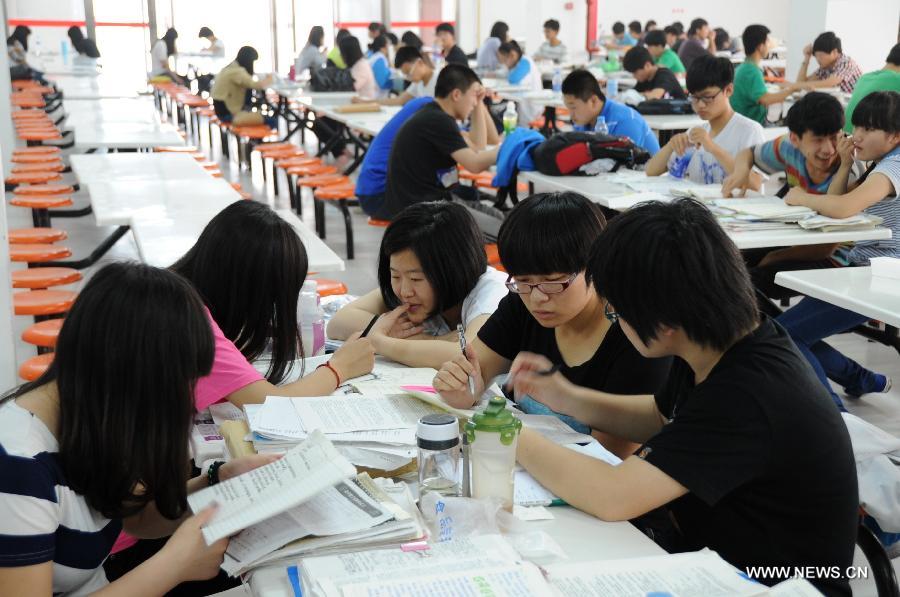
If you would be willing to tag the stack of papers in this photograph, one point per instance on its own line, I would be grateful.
(861, 221)
(529, 492)
(762, 209)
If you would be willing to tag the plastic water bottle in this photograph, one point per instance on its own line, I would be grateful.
(64, 51)
(557, 80)
(612, 87)
(600, 126)
(311, 319)
(510, 118)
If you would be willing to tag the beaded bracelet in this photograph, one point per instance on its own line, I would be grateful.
(212, 473)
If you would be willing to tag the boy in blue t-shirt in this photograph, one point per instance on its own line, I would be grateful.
(586, 103)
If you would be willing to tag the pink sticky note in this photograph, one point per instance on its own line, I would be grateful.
(415, 546)
(426, 389)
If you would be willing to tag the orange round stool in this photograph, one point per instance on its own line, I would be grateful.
(43, 333)
(56, 166)
(37, 278)
(297, 161)
(30, 236)
(35, 158)
(44, 190)
(326, 287)
(39, 253)
(378, 223)
(34, 367)
(323, 180)
(41, 149)
(312, 170)
(274, 146)
(41, 202)
(43, 302)
(176, 149)
(32, 178)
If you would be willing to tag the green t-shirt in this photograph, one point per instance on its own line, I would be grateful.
(335, 56)
(671, 61)
(880, 80)
(749, 86)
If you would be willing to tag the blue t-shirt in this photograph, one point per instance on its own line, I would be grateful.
(373, 174)
(381, 70)
(624, 121)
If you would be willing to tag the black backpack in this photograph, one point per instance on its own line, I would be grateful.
(665, 106)
(331, 78)
(564, 153)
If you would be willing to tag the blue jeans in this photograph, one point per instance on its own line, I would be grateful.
(812, 320)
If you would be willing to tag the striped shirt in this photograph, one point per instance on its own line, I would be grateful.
(888, 209)
(780, 155)
(41, 519)
(845, 68)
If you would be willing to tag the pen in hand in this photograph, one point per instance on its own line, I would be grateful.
(462, 347)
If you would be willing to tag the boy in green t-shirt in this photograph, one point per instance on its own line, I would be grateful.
(662, 54)
(886, 79)
(751, 97)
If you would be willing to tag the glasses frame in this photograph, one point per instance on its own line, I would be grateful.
(705, 100)
(515, 287)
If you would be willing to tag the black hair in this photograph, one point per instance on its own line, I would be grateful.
(818, 112)
(445, 28)
(316, 36)
(687, 274)
(341, 34)
(549, 233)
(20, 34)
(412, 40)
(392, 38)
(454, 76)
(618, 27)
(697, 25)
(894, 56)
(827, 42)
(127, 359)
(636, 58)
(678, 26)
(510, 46)
(246, 56)
(500, 30)
(376, 26)
(635, 26)
(169, 37)
(709, 71)
(552, 24)
(669, 30)
(249, 266)
(655, 38)
(351, 52)
(205, 32)
(406, 54)
(753, 37)
(583, 85)
(448, 244)
(722, 38)
(379, 43)
(650, 23)
(880, 110)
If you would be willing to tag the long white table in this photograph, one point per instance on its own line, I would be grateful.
(126, 135)
(99, 87)
(119, 203)
(852, 288)
(87, 113)
(90, 168)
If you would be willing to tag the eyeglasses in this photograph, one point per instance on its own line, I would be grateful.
(704, 99)
(612, 316)
(544, 287)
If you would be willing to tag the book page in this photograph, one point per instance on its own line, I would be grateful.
(269, 490)
(360, 413)
(278, 419)
(387, 380)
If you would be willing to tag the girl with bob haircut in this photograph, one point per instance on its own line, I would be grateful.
(552, 311)
(100, 442)
(252, 303)
(432, 276)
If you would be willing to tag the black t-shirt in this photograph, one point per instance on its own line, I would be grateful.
(765, 456)
(456, 56)
(421, 167)
(663, 79)
(617, 367)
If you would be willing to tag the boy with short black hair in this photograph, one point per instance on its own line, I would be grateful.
(587, 104)
(836, 69)
(553, 48)
(657, 44)
(635, 31)
(417, 70)
(653, 81)
(451, 52)
(621, 40)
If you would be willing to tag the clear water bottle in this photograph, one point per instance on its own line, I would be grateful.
(437, 437)
(492, 435)
(600, 126)
(64, 51)
(557, 80)
(311, 319)
(510, 118)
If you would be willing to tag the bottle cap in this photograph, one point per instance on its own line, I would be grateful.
(495, 418)
(438, 431)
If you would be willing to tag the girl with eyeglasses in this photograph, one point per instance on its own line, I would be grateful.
(552, 311)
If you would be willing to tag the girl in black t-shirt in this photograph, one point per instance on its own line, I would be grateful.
(552, 311)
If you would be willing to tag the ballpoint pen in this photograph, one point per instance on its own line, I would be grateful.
(462, 347)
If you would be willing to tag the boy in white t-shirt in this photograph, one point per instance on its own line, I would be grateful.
(705, 154)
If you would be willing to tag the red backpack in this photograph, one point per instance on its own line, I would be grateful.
(564, 153)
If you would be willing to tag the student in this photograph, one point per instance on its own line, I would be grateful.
(836, 69)
(417, 71)
(432, 275)
(85, 46)
(334, 55)
(553, 48)
(216, 45)
(741, 447)
(451, 53)
(375, 29)
(635, 31)
(486, 56)
(230, 87)
(586, 103)
(886, 79)
(709, 149)
(654, 81)
(551, 311)
(700, 41)
(674, 36)
(17, 46)
(410, 39)
(100, 442)
(427, 148)
(381, 68)
(650, 26)
(311, 57)
(751, 97)
(808, 156)
(253, 309)
(656, 44)
(621, 40)
(363, 77)
(876, 139)
(524, 73)
(159, 56)
(723, 40)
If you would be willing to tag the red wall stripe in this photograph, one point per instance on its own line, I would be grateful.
(350, 24)
(56, 23)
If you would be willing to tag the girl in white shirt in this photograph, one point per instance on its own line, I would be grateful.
(159, 56)
(363, 77)
(524, 73)
(433, 275)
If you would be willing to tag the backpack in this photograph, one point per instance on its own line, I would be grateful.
(331, 79)
(564, 153)
(665, 106)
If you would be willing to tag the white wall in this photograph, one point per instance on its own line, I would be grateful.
(867, 28)
(49, 38)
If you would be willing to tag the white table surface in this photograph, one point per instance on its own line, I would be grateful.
(582, 537)
(118, 203)
(126, 135)
(852, 288)
(673, 122)
(73, 65)
(90, 168)
(101, 86)
(106, 111)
